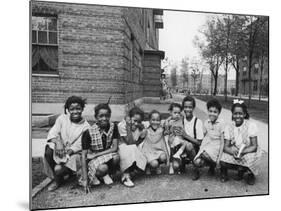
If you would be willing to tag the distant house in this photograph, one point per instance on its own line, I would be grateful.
(95, 52)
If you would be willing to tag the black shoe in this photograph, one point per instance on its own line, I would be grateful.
(211, 171)
(223, 175)
(239, 175)
(251, 179)
(195, 174)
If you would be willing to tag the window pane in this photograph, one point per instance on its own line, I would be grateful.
(52, 24)
(34, 23)
(42, 23)
(42, 37)
(53, 38)
(39, 23)
(34, 39)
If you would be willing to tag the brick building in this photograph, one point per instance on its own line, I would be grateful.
(95, 52)
(259, 78)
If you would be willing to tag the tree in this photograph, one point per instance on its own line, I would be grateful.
(184, 70)
(195, 73)
(174, 76)
(237, 47)
(262, 53)
(211, 48)
(254, 25)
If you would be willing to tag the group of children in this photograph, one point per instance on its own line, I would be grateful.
(135, 145)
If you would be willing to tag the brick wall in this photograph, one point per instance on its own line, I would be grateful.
(152, 72)
(95, 48)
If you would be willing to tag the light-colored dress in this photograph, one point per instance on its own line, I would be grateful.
(212, 141)
(238, 136)
(130, 154)
(154, 144)
(70, 133)
(170, 125)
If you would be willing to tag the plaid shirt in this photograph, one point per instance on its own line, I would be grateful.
(96, 135)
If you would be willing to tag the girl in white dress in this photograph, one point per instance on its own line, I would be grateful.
(241, 150)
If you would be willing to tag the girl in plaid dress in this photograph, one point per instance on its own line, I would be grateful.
(99, 144)
(241, 151)
(132, 134)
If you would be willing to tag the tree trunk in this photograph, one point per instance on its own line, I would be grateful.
(215, 85)
(250, 80)
(237, 78)
(260, 86)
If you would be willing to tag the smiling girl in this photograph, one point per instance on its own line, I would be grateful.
(100, 145)
(64, 142)
(154, 147)
(212, 144)
(132, 134)
(241, 151)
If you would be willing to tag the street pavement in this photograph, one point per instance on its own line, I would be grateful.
(156, 187)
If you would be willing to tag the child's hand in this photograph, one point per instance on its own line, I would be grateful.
(59, 149)
(70, 152)
(143, 133)
(235, 152)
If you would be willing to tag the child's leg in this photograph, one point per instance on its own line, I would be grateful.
(162, 158)
(190, 150)
(154, 164)
(180, 151)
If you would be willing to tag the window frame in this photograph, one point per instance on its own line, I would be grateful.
(45, 72)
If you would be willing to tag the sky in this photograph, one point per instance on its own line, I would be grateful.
(176, 38)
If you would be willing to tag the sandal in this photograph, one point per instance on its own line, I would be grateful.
(127, 182)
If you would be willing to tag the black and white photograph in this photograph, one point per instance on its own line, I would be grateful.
(133, 105)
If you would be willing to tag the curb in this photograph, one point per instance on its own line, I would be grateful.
(40, 187)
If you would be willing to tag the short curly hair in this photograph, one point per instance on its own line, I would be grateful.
(154, 112)
(74, 99)
(214, 103)
(100, 106)
(174, 105)
(190, 99)
(136, 111)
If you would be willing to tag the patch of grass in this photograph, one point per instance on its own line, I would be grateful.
(37, 171)
(257, 110)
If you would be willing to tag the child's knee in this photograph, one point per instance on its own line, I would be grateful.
(154, 164)
(189, 147)
(58, 169)
(102, 170)
(176, 165)
(163, 158)
(198, 162)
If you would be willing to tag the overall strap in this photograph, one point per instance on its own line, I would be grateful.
(194, 128)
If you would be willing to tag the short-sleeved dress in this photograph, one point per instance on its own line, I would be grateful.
(96, 140)
(70, 133)
(238, 136)
(154, 144)
(130, 154)
(212, 141)
(169, 126)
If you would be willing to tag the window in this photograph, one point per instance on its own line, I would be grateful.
(44, 44)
